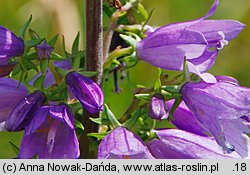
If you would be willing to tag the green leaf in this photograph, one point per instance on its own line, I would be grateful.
(24, 27)
(61, 72)
(14, 147)
(30, 65)
(33, 34)
(100, 121)
(76, 61)
(98, 135)
(43, 66)
(88, 73)
(157, 86)
(66, 54)
(173, 89)
(177, 102)
(55, 56)
(16, 70)
(75, 45)
(143, 97)
(142, 11)
(30, 56)
(53, 40)
(39, 82)
(134, 119)
(129, 40)
(60, 88)
(186, 73)
(79, 125)
(113, 120)
(31, 43)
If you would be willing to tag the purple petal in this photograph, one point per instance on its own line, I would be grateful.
(158, 109)
(50, 137)
(227, 79)
(181, 115)
(219, 106)
(44, 50)
(207, 77)
(210, 28)
(10, 45)
(168, 50)
(10, 95)
(183, 25)
(24, 111)
(205, 61)
(123, 144)
(178, 144)
(86, 91)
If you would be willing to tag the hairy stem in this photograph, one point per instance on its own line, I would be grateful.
(94, 62)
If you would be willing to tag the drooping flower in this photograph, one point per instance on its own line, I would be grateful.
(10, 46)
(198, 41)
(86, 91)
(123, 144)
(158, 109)
(24, 111)
(184, 119)
(10, 95)
(222, 109)
(44, 50)
(178, 144)
(50, 135)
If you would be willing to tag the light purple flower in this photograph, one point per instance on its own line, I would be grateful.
(222, 108)
(44, 50)
(123, 144)
(158, 109)
(51, 135)
(178, 144)
(10, 46)
(198, 40)
(86, 91)
(10, 95)
(24, 111)
(184, 119)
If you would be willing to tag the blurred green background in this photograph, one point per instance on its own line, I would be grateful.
(67, 17)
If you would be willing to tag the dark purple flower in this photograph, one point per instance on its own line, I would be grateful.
(10, 95)
(158, 109)
(178, 144)
(198, 41)
(50, 135)
(123, 144)
(221, 108)
(184, 119)
(86, 91)
(10, 46)
(24, 111)
(44, 50)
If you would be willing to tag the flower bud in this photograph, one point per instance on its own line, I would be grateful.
(158, 109)
(86, 91)
(44, 50)
(24, 111)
